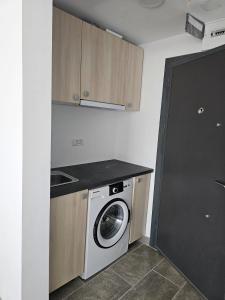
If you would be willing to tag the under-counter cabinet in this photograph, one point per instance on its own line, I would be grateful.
(139, 207)
(66, 57)
(67, 237)
(94, 65)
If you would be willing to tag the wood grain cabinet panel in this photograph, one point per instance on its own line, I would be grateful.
(133, 78)
(67, 237)
(139, 207)
(92, 64)
(66, 58)
(103, 66)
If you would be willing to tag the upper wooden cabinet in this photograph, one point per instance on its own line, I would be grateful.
(139, 207)
(111, 68)
(133, 77)
(66, 58)
(92, 64)
(103, 66)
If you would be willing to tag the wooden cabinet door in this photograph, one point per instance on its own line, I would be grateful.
(66, 58)
(67, 237)
(133, 78)
(103, 66)
(139, 207)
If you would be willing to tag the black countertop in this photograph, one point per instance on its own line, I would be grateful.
(93, 175)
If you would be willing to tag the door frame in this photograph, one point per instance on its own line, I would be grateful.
(170, 64)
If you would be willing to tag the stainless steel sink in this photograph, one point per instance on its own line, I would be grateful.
(60, 178)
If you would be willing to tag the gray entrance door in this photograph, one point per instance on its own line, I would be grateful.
(189, 201)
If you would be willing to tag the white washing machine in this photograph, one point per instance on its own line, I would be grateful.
(108, 217)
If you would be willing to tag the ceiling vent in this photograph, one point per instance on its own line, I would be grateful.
(209, 26)
(195, 26)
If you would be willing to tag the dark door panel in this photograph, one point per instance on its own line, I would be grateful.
(189, 195)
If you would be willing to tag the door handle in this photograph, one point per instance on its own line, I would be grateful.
(220, 182)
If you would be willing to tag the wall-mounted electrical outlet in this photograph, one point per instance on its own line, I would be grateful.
(77, 142)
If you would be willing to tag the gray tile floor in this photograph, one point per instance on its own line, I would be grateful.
(141, 274)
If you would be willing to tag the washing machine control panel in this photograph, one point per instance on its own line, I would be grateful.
(116, 188)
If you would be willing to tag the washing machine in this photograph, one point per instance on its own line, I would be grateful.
(108, 218)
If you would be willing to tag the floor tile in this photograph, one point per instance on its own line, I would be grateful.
(145, 240)
(136, 264)
(168, 271)
(66, 290)
(107, 285)
(188, 293)
(152, 287)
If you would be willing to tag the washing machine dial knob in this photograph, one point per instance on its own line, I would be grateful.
(115, 190)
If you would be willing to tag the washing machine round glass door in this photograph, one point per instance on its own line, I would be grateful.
(111, 223)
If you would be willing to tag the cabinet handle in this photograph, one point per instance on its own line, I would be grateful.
(86, 93)
(76, 99)
(140, 180)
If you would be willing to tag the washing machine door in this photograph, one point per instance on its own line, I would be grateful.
(111, 223)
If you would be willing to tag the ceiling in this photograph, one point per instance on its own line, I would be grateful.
(136, 20)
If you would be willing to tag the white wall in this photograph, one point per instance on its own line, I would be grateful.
(11, 149)
(25, 128)
(37, 37)
(95, 126)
